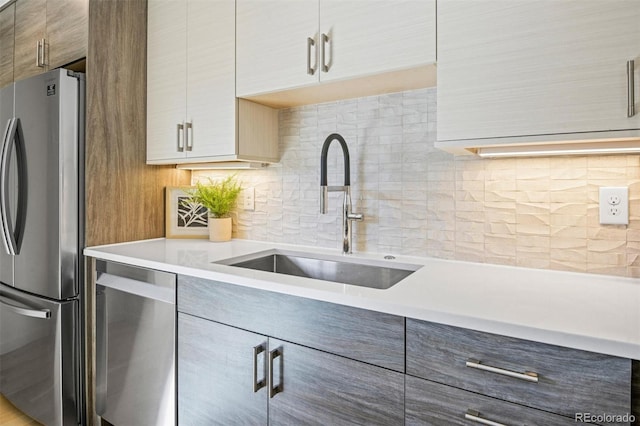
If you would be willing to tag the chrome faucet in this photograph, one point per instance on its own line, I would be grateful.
(347, 215)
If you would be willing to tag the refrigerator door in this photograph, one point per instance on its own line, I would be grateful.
(47, 107)
(38, 365)
(6, 115)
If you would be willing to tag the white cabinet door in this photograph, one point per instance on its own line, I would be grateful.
(211, 101)
(166, 70)
(373, 36)
(535, 67)
(272, 39)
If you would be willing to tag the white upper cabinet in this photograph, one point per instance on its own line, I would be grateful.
(166, 82)
(192, 111)
(272, 38)
(292, 44)
(520, 69)
(374, 36)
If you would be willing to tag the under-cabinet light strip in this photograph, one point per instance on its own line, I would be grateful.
(602, 148)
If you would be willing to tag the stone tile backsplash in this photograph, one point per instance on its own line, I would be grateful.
(417, 200)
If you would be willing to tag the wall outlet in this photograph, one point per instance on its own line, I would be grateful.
(248, 199)
(614, 205)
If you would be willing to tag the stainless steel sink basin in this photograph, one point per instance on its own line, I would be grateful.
(360, 272)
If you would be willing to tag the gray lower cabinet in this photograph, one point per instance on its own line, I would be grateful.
(215, 382)
(429, 403)
(230, 376)
(551, 378)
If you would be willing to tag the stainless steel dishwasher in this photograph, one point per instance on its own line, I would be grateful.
(135, 345)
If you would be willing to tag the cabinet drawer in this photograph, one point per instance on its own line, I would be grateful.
(569, 381)
(429, 403)
(360, 334)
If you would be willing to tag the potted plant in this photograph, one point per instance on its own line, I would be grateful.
(219, 198)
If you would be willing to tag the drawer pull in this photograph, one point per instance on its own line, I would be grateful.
(258, 384)
(474, 416)
(527, 375)
(273, 390)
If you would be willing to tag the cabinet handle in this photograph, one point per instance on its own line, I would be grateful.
(527, 375)
(631, 108)
(325, 40)
(38, 47)
(180, 137)
(257, 350)
(188, 135)
(474, 416)
(310, 70)
(273, 390)
(39, 54)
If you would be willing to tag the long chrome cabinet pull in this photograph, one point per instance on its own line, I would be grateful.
(40, 53)
(257, 350)
(180, 137)
(274, 390)
(631, 101)
(188, 135)
(474, 416)
(25, 310)
(325, 40)
(527, 376)
(310, 43)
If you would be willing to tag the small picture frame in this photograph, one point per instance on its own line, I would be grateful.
(183, 218)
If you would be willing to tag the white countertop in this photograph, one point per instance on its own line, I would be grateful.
(583, 311)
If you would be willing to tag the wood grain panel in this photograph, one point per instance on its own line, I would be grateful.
(570, 381)
(67, 31)
(324, 389)
(30, 26)
(6, 45)
(124, 196)
(360, 334)
(215, 384)
(381, 36)
(271, 40)
(534, 67)
(429, 403)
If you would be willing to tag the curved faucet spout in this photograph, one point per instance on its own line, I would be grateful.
(323, 159)
(347, 215)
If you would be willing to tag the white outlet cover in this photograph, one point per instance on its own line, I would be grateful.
(614, 205)
(248, 199)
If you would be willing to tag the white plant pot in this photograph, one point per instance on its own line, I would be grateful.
(219, 229)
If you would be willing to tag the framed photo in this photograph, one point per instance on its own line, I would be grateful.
(184, 218)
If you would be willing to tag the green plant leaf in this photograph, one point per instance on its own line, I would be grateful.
(219, 197)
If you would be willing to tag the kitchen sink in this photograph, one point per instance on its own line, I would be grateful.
(361, 272)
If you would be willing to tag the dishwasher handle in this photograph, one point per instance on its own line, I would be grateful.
(101, 351)
(139, 288)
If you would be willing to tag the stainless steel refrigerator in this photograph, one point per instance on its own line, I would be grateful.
(41, 224)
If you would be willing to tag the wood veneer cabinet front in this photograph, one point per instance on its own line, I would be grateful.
(6, 44)
(372, 337)
(282, 44)
(223, 379)
(569, 381)
(192, 112)
(433, 404)
(535, 67)
(61, 24)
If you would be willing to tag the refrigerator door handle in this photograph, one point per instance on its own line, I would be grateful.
(13, 237)
(3, 173)
(24, 310)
